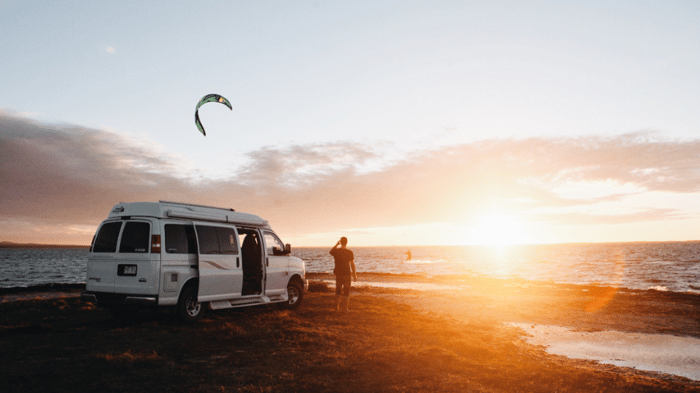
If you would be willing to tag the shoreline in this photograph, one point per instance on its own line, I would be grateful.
(594, 304)
(587, 308)
(44, 291)
(11, 245)
(446, 279)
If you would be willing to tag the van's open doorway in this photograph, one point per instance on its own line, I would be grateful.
(252, 260)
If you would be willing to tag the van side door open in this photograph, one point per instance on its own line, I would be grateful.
(219, 262)
(252, 254)
(276, 264)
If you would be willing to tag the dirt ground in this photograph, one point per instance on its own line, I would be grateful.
(394, 339)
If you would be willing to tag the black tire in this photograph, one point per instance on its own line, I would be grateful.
(295, 294)
(123, 313)
(189, 310)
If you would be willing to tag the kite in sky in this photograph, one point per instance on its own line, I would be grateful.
(204, 100)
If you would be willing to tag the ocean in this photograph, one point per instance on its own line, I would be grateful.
(662, 266)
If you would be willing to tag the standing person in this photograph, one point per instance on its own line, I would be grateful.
(408, 255)
(344, 271)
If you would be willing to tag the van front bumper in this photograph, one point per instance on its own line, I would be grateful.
(105, 298)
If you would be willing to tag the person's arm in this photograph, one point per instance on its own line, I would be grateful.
(334, 247)
(352, 266)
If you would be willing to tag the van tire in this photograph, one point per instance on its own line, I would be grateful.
(189, 310)
(295, 293)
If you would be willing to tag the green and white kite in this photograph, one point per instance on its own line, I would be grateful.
(204, 100)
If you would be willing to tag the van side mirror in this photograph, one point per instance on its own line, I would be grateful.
(287, 249)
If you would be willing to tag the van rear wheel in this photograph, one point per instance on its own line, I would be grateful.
(189, 310)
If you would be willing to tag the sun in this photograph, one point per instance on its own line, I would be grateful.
(498, 229)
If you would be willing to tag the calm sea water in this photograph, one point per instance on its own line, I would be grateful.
(26, 267)
(673, 266)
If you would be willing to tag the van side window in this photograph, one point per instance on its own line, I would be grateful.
(217, 240)
(180, 239)
(273, 245)
(227, 240)
(208, 240)
(106, 240)
(136, 237)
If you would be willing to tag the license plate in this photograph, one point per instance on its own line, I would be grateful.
(127, 270)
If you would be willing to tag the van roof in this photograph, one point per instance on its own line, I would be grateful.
(165, 209)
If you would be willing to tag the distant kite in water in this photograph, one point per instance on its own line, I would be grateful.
(204, 100)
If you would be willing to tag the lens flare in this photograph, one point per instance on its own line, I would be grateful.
(603, 295)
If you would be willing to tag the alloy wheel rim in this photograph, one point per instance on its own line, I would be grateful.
(193, 307)
(293, 295)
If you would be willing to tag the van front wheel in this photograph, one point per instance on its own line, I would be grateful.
(295, 294)
(189, 310)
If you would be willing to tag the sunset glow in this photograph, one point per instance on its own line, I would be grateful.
(391, 123)
(499, 229)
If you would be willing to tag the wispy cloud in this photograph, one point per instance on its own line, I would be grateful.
(300, 166)
(73, 175)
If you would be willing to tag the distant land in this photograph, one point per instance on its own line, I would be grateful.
(34, 245)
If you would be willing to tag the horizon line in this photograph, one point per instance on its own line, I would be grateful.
(11, 245)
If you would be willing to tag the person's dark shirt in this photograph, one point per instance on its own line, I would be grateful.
(342, 257)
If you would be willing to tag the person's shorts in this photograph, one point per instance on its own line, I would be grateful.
(342, 285)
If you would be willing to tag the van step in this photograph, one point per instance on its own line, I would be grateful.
(221, 304)
(278, 298)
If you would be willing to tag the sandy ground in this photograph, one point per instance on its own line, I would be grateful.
(634, 330)
(641, 330)
(582, 308)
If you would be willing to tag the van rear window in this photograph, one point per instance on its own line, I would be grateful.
(180, 239)
(106, 240)
(136, 237)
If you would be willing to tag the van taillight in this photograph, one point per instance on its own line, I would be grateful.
(155, 244)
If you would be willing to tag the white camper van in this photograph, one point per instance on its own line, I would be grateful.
(148, 254)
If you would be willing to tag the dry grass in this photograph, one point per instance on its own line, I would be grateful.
(65, 345)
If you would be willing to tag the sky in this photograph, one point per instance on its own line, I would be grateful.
(389, 122)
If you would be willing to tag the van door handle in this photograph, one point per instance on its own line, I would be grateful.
(267, 261)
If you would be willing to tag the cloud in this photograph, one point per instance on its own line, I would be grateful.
(300, 166)
(69, 175)
(625, 218)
